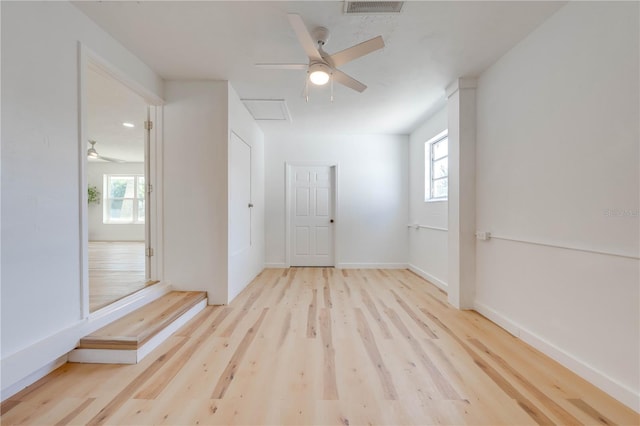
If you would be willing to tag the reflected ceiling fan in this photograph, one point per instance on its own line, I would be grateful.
(93, 154)
(322, 67)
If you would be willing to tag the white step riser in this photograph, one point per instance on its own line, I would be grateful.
(120, 356)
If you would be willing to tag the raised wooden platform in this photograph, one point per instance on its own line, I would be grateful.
(129, 339)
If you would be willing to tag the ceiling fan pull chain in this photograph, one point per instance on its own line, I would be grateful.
(306, 88)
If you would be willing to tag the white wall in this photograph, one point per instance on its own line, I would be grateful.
(195, 186)
(41, 191)
(557, 148)
(427, 247)
(244, 266)
(99, 231)
(199, 117)
(371, 225)
(461, 217)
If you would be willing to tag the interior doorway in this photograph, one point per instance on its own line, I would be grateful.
(117, 176)
(311, 215)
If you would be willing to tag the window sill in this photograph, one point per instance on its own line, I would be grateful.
(436, 200)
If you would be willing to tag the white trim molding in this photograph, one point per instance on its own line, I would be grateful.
(497, 318)
(275, 265)
(565, 247)
(433, 228)
(617, 390)
(32, 378)
(345, 265)
(427, 276)
(88, 59)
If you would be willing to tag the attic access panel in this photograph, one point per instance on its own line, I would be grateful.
(268, 109)
(372, 7)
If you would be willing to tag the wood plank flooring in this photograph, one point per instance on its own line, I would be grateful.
(134, 330)
(317, 346)
(116, 270)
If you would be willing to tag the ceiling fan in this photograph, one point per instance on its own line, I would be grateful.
(322, 67)
(93, 154)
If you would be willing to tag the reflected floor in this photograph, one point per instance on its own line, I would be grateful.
(116, 270)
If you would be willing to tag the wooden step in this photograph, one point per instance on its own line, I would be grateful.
(129, 339)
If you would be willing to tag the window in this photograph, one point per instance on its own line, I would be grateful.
(124, 199)
(436, 153)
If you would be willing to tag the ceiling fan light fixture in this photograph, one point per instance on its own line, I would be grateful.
(91, 152)
(319, 78)
(319, 74)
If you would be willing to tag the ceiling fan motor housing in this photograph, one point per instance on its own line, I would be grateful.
(321, 36)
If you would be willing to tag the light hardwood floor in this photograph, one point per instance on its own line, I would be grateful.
(116, 270)
(330, 347)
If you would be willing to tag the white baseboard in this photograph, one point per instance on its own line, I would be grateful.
(19, 367)
(427, 276)
(235, 291)
(496, 318)
(617, 390)
(32, 378)
(134, 356)
(344, 265)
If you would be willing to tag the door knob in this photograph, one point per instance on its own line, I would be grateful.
(331, 221)
(250, 205)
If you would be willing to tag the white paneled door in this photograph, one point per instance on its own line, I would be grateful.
(311, 216)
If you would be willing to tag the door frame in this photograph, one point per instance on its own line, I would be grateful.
(87, 57)
(333, 166)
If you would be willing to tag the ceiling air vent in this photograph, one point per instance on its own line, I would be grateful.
(372, 7)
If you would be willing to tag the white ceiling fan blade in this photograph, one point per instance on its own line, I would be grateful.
(357, 51)
(112, 160)
(305, 39)
(283, 66)
(350, 82)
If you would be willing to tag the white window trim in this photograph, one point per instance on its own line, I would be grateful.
(106, 219)
(427, 163)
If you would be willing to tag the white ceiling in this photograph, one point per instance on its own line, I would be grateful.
(428, 45)
(109, 104)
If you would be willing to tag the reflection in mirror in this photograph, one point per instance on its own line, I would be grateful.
(116, 174)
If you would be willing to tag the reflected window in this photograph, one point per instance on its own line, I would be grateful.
(124, 199)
